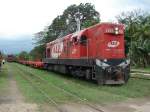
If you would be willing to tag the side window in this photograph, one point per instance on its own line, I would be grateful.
(83, 40)
(48, 53)
(75, 40)
(65, 47)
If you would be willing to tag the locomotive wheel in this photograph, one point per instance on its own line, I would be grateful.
(126, 77)
(127, 74)
(100, 81)
(88, 75)
(50, 68)
(73, 73)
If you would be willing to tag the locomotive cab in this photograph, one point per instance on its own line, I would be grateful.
(111, 63)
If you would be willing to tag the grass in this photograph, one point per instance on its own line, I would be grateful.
(135, 88)
(33, 95)
(3, 80)
(27, 90)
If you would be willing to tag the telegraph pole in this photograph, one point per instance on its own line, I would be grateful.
(78, 16)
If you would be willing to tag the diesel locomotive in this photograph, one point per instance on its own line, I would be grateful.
(95, 53)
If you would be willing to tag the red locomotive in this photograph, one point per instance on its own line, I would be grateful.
(11, 58)
(96, 53)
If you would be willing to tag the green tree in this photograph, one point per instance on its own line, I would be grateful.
(24, 55)
(137, 35)
(38, 52)
(65, 23)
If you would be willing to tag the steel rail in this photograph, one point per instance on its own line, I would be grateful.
(49, 99)
(143, 78)
(65, 91)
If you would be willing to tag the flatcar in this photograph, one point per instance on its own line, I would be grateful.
(95, 53)
(35, 64)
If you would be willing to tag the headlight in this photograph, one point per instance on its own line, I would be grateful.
(101, 64)
(116, 32)
(116, 29)
(105, 60)
(124, 64)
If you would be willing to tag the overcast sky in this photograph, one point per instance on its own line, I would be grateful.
(26, 17)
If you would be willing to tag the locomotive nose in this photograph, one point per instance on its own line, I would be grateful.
(115, 73)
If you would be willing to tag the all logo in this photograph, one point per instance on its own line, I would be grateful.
(74, 51)
(113, 44)
(57, 49)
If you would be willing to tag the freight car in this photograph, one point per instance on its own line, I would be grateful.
(95, 53)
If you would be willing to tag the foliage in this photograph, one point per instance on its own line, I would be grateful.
(137, 35)
(24, 55)
(2, 55)
(38, 52)
(65, 23)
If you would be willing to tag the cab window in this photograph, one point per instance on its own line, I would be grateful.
(83, 40)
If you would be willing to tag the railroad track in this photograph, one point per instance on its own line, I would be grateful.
(43, 93)
(140, 75)
(140, 71)
(137, 77)
(85, 101)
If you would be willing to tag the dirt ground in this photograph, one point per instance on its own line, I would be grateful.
(139, 105)
(13, 101)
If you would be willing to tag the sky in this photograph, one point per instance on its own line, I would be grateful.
(23, 18)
